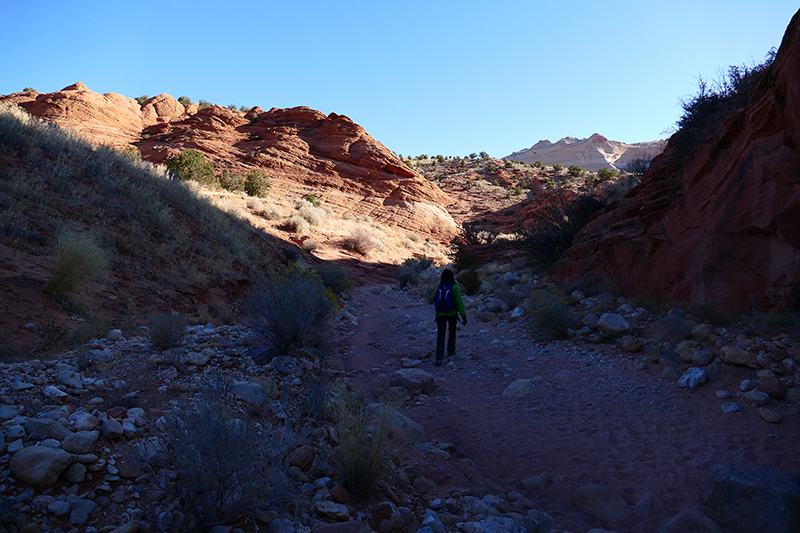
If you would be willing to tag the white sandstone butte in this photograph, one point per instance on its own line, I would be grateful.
(593, 153)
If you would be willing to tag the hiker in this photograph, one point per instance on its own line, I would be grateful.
(448, 305)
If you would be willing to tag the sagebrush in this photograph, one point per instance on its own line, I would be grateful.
(228, 465)
(289, 310)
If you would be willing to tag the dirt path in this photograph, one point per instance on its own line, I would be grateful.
(596, 421)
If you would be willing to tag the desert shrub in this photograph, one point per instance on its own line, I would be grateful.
(290, 310)
(549, 313)
(29, 90)
(231, 181)
(638, 166)
(78, 259)
(558, 167)
(313, 215)
(132, 154)
(184, 100)
(334, 278)
(704, 112)
(511, 298)
(408, 272)
(362, 436)
(268, 211)
(204, 104)
(167, 330)
(470, 280)
(296, 223)
(466, 260)
(556, 222)
(472, 235)
(142, 99)
(537, 164)
(309, 245)
(575, 171)
(227, 466)
(192, 165)
(313, 200)
(359, 241)
(605, 174)
(256, 183)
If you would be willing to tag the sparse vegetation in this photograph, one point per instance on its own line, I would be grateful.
(296, 224)
(334, 278)
(167, 330)
(231, 181)
(561, 215)
(290, 310)
(359, 241)
(704, 112)
(79, 258)
(256, 183)
(192, 165)
(227, 465)
(363, 434)
(470, 280)
(549, 313)
(408, 272)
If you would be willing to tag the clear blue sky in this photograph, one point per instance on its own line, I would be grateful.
(435, 77)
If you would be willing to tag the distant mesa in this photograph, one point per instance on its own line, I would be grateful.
(593, 153)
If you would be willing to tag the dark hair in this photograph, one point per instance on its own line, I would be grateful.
(447, 275)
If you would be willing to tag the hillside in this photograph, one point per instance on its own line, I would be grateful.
(593, 153)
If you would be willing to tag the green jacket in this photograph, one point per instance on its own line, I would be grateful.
(459, 304)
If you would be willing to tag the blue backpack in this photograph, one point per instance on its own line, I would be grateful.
(444, 297)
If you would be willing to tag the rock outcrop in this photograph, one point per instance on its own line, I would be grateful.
(303, 150)
(593, 153)
(721, 226)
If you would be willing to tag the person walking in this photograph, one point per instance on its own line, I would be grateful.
(448, 305)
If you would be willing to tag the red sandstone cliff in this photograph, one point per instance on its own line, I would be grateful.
(724, 225)
(302, 150)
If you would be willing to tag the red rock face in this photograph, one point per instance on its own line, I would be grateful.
(722, 226)
(301, 149)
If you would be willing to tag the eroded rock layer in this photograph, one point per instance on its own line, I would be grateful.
(723, 226)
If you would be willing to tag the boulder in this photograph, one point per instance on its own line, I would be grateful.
(613, 324)
(249, 392)
(52, 429)
(39, 465)
(735, 355)
(522, 388)
(602, 503)
(399, 421)
(80, 442)
(413, 380)
(752, 499)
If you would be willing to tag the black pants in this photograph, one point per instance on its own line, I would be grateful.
(442, 322)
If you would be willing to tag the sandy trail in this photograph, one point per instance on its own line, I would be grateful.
(596, 421)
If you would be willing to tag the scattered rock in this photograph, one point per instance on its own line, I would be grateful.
(613, 324)
(413, 380)
(522, 388)
(772, 386)
(735, 355)
(39, 465)
(770, 415)
(693, 378)
(752, 499)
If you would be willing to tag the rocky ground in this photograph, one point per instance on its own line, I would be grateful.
(512, 432)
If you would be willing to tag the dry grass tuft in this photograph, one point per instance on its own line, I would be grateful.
(78, 259)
